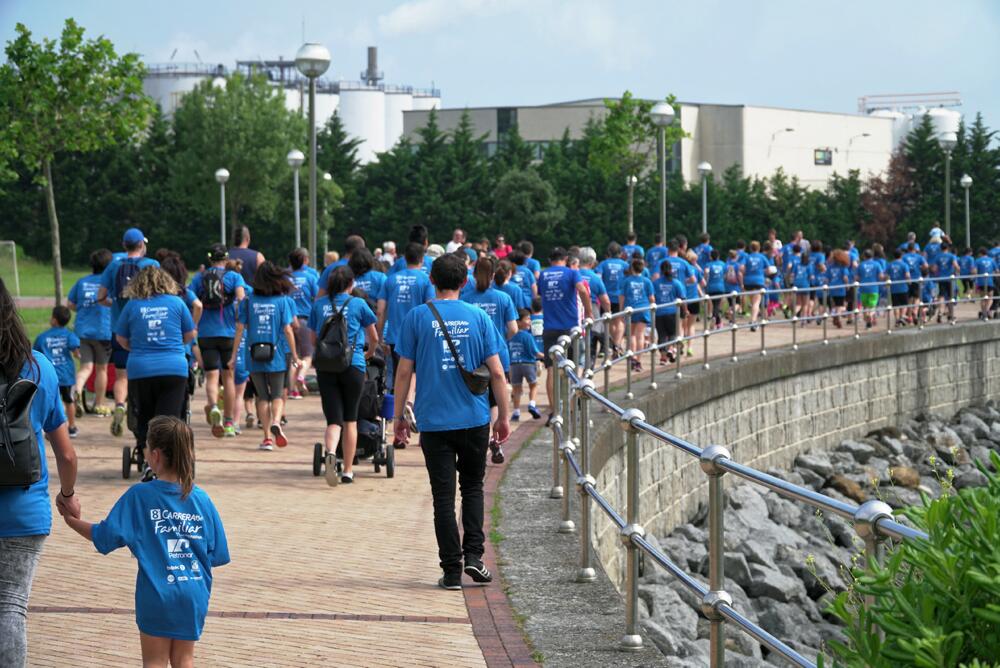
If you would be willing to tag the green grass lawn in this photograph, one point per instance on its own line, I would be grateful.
(36, 320)
(36, 277)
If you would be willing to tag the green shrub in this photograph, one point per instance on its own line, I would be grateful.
(937, 601)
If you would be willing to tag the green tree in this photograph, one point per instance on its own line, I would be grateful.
(244, 127)
(74, 96)
(980, 160)
(926, 163)
(524, 204)
(512, 152)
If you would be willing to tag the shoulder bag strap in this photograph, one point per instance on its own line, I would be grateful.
(447, 337)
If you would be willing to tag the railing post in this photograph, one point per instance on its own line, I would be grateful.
(707, 330)
(920, 303)
(653, 349)
(826, 317)
(857, 312)
(631, 640)
(889, 307)
(716, 554)
(586, 572)
(554, 352)
(866, 519)
(678, 338)
(588, 326)
(795, 331)
(763, 323)
(566, 525)
(732, 321)
(628, 353)
(607, 352)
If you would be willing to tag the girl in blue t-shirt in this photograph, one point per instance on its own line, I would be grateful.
(637, 292)
(267, 318)
(176, 536)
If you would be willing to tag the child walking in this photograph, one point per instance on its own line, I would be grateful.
(175, 534)
(524, 358)
(61, 345)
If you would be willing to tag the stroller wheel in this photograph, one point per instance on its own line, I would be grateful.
(140, 459)
(126, 462)
(317, 459)
(390, 461)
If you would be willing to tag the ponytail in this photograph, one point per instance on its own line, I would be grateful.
(174, 439)
(483, 273)
(503, 272)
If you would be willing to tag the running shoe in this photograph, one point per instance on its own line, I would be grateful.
(279, 436)
(411, 419)
(535, 414)
(476, 570)
(332, 476)
(399, 445)
(347, 478)
(451, 582)
(78, 404)
(283, 421)
(229, 430)
(102, 411)
(295, 395)
(215, 419)
(147, 473)
(74, 432)
(118, 421)
(266, 444)
(208, 414)
(515, 417)
(251, 420)
(496, 452)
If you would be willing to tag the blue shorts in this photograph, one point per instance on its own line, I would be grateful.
(523, 371)
(119, 356)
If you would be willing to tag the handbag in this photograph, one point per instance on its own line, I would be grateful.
(20, 460)
(262, 352)
(478, 380)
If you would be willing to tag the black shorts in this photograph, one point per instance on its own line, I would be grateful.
(119, 356)
(249, 392)
(66, 393)
(694, 308)
(838, 301)
(751, 288)
(550, 337)
(914, 291)
(615, 306)
(666, 327)
(967, 284)
(215, 352)
(946, 289)
(340, 394)
(900, 299)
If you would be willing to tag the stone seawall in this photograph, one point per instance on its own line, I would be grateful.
(768, 410)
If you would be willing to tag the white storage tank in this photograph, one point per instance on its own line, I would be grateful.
(396, 102)
(945, 122)
(901, 124)
(362, 111)
(168, 83)
(326, 106)
(423, 102)
(296, 99)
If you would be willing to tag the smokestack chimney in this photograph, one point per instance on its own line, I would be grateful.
(371, 75)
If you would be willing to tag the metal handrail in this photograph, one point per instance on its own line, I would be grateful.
(575, 391)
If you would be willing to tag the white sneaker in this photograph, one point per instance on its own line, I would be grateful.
(266, 444)
(332, 477)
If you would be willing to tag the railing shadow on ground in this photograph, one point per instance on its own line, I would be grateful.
(575, 391)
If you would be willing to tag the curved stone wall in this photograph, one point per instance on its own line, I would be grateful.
(768, 410)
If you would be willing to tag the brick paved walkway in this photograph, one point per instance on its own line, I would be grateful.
(320, 576)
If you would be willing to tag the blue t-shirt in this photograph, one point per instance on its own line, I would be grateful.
(28, 512)
(324, 278)
(402, 292)
(868, 276)
(985, 268)
(265, 319)
(358, 316)
(445, 403)
(899, 274)
(945, 264)
(733, 275)
(715, 275)
(109, 281)
(838, 276)
(612, 272)
(511, 291)
(155, 330)
(93, 320)
(630, 249)
(58, 344)
(524, 280)
(637, 290)
(654, 258)
(400, 265)
(557, 287)
(994, 252)
(304, 288)
(219, 321)
(499, 307)
(371, 282)
(754, 266)
(595, 283)
(967, 265)
(667, 291)
(704, 252)
(176, 544)
(915, 261)
(682, 270)
(932, 250)
(534, 265)
(522, 348)
(692, 288)
(803, 275)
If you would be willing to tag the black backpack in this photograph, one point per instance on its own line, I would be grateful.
(127, 270)
(334, 350)
(213, 290)
(20, 461)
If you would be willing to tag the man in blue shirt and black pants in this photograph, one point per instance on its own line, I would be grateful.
(454, 422)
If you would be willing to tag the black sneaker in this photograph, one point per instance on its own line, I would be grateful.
(548, 420)
(451, 581)
(535, 414)
(347, 478)
(496, 452)
(147, 473)
(476, 570)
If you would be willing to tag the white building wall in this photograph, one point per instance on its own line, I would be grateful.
(168, 89)
(395, 105)
(362, 112)
(426, 103)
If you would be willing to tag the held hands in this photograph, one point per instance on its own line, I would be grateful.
(232, 361)
(68, 506)
(401, 430)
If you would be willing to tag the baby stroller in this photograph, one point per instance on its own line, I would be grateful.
(374, 415)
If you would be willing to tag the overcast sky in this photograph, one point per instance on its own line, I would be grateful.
(792, 53)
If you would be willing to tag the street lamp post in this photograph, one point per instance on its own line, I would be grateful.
(967, 184)
(312, 60)
(705, 170)
(947, 142)
(326, 231)
(662, 115)
(295, 160)
(630, 182)
(222, 175)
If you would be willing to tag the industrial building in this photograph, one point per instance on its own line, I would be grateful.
(370, 110)
(809, 145)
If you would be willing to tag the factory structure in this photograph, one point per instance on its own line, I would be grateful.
(811, 146)
(369, 109)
